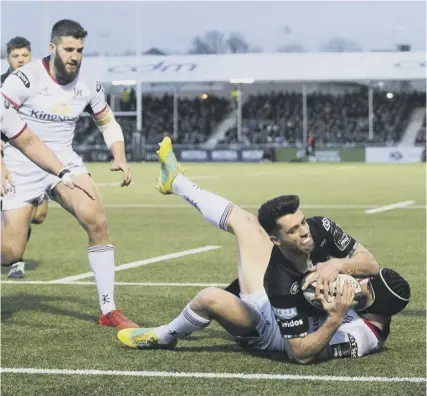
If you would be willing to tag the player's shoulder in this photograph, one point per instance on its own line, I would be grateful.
(89, 83)
(30, 70)
(322, 222)
(28, 74)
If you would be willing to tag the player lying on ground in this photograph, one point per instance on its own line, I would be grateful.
(18, 55)
(50, 95)
(15, 131)
(299, 329)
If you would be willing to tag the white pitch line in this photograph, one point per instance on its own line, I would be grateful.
(148, 284)
(389, 207)
(143, 262)
(282, 377)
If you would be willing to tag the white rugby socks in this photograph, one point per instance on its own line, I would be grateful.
(214, 208)
(186, 323)
(101, 260)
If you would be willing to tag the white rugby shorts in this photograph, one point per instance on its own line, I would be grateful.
(32, 184)
(270, 338)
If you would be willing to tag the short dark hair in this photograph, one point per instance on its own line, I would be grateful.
(67, 27)
(18, 43)
(271, 210)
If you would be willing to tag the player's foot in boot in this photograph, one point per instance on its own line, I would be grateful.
(116, 318)
(143, 339)
(17, 270)
(169, 166)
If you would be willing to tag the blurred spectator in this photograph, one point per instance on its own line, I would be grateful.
(132, 100)
(125, 100)
(274, 118)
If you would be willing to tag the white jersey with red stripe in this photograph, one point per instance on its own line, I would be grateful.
(51, 109)
(11, 124)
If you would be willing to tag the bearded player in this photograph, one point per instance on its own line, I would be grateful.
(50, 95)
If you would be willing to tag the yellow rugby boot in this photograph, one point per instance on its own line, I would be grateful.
(143, 339)
(169, 166)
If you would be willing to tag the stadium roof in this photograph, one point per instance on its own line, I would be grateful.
(260, 67)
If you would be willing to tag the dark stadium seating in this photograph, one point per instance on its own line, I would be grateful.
(276, 117)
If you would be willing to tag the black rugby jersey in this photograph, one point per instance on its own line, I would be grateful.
(282, 281)
(4, 76)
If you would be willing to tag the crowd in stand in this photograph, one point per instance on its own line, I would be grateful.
(331, 119)
(275, 117)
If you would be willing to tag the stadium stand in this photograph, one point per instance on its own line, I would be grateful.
(273, 118)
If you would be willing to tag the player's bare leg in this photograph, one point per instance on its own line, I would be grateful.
(91, 215)
(14, 228)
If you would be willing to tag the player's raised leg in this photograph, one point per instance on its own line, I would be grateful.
(91, 215)
(254, 245)
(14, 229)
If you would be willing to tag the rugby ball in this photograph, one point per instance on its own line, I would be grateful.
(309, 292)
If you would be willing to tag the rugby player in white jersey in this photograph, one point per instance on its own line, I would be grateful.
(15, 131)
(50, 96)
(18, 55)
(264, 310)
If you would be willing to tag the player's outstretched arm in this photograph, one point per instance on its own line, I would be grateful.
(113, 136)
(37, 151)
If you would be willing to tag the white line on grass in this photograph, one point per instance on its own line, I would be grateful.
(390, 207)
(244, 206)
(143, 262)
(149, 284)
(210, 375)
